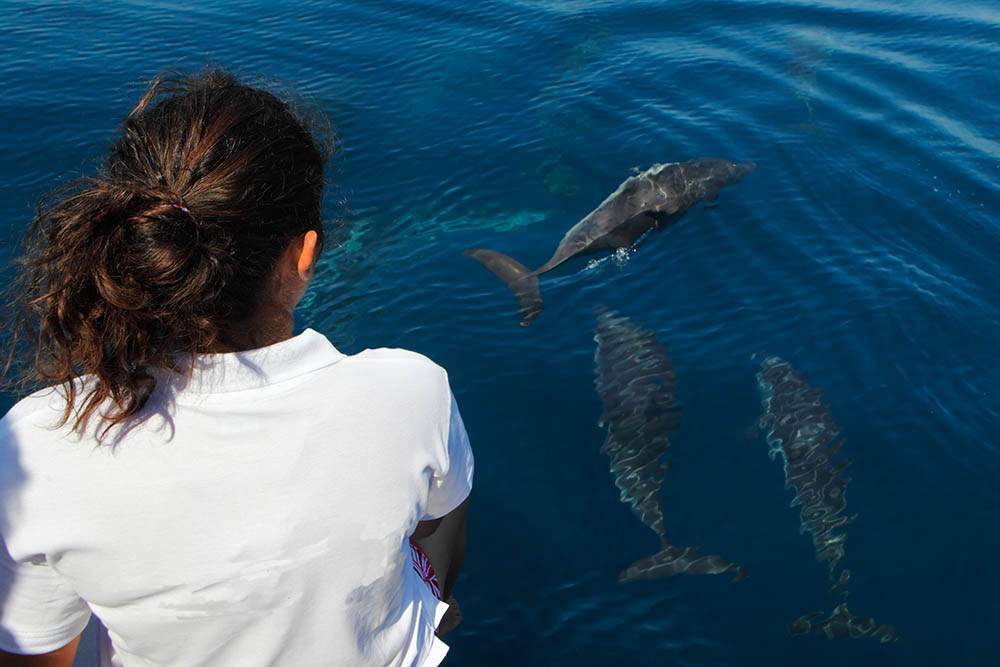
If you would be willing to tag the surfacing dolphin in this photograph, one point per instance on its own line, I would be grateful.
(636, 381)
(650, 200)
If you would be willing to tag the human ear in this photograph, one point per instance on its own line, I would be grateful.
(307, 255)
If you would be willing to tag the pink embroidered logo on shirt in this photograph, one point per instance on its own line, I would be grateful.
(423, 567)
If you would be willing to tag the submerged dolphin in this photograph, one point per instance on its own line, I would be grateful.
(635, 381)
(800, 428)
(651, 200)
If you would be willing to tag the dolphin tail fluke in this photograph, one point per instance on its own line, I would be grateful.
(842, 624)
(521, 281)
(680, 560)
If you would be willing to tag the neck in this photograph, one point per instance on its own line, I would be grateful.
(274, 320)
(272, 324)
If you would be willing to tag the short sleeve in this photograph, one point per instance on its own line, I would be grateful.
(39, 611)
(451, 485)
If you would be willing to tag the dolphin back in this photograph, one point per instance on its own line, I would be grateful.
(683, 184)
(653, 199)
(520, 280)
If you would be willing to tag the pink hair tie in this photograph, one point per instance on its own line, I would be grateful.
(183, 208)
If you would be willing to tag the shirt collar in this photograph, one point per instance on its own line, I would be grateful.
(252, 369)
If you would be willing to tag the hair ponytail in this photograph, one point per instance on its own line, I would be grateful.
(167, 252)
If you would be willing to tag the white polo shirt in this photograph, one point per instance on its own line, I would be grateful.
(260, 515)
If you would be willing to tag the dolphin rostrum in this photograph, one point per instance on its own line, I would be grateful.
(650, 200)
(800, 428)
(635, 381)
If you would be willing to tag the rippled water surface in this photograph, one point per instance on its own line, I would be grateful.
(861, 251)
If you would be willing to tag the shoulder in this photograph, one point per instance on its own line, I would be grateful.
(30, 434)
(401, 368)
(41, 417)
(46, 404)
(392, 354)
(390, 359)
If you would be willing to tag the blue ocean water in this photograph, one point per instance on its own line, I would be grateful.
(861, 251)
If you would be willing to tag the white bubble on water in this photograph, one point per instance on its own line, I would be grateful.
(621, 256)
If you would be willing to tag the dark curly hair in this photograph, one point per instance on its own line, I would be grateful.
(168, 250)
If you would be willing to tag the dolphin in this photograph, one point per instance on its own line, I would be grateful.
(800, 428)
(650, 200)
(636, 383)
